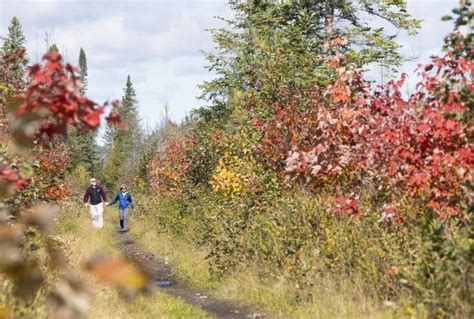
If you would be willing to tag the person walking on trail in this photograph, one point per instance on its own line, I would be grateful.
(95, 198)
(125, 201)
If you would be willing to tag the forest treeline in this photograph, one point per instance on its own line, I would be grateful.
(297, 165)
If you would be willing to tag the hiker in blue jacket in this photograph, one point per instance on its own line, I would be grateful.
(125, 201)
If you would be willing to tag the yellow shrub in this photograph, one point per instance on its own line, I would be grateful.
(232, 175)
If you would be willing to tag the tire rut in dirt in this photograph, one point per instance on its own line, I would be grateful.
(167, 280)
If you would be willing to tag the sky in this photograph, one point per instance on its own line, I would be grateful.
(159, 43)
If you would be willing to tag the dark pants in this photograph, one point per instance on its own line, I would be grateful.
(123, 214)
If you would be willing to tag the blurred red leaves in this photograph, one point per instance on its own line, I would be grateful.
(119, 273)
(53, 101)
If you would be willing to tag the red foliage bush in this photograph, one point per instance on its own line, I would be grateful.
(49, 177)
(168, 169)
(417, 146)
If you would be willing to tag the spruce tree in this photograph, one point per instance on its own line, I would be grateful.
(82, 147)
(53, 48)
(123, 156)
(83, 70)
(108, 137)
(14, 78)
(16, 39)
(149, 150)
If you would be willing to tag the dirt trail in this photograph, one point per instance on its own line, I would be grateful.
(168, 282)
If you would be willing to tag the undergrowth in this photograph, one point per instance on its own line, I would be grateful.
(298, 260)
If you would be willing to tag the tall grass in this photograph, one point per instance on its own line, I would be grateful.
(247, 282)
(298, 258)
(82, 242)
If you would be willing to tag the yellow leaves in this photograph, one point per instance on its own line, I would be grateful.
(232, 175)
(237, 97)
(4, 312)
(261, 44)
(119, 273)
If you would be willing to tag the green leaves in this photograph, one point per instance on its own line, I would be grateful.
(26, 171)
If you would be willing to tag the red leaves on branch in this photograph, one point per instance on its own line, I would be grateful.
(418, 146)
(10, 180)
(53, 99)
(43, 113)
(428, 152)
(312, 137)
(347, 205)
(168, 169)
(53, 164)
(93, 119)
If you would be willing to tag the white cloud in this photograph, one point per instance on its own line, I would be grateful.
(419, 48)
(157, 42)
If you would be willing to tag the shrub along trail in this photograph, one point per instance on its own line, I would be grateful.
(166, 279)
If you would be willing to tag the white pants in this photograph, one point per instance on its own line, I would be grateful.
(96, 215)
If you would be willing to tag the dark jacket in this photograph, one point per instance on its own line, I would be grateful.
(96, 195)
(124, 199)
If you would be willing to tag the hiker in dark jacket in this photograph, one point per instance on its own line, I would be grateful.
(125, 201)
(95, 197)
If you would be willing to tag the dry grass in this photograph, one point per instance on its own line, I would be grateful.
(330, 301)
(82, 241)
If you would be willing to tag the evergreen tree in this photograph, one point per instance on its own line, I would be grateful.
(108, 140)
(124, 154)
(273, 43)
(14, 71)
(53, 48)
(82, 147)
(16, 39)
(149, 150)
(108, 137)
(83, 70)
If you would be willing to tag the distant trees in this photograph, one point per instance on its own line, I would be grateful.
(124, 146)
(82, 147)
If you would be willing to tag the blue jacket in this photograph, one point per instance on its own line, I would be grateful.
(124, 199)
